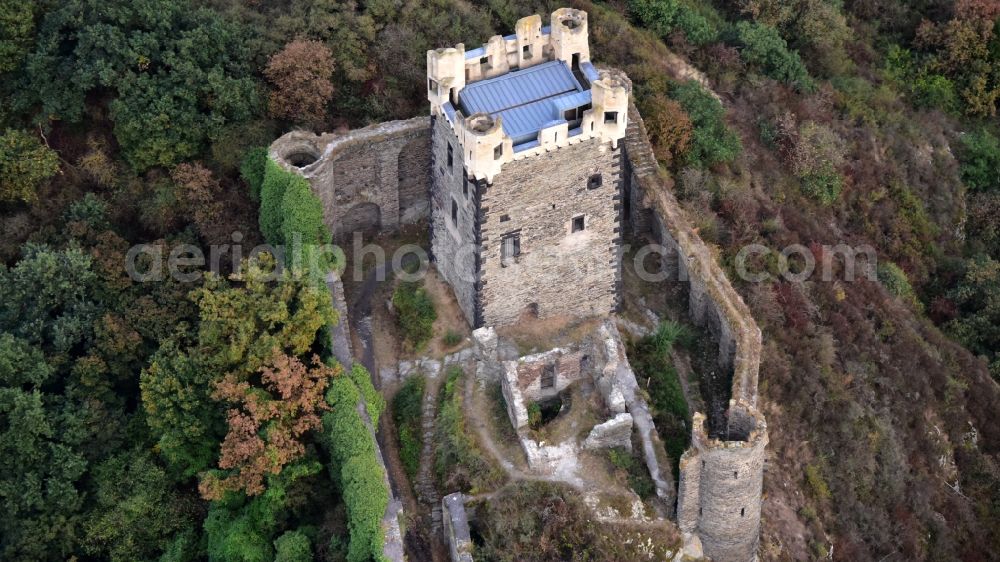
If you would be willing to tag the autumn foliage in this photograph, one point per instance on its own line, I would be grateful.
(267, 422)
(668, 125)
(301, 76)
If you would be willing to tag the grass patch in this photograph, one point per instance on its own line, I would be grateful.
(451, 338)
(415, 314)
(459, 463)
(650, 357)
(634, 470)
(406, 412)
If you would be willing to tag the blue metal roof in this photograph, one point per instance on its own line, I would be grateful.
(527, 99)
(589, 71)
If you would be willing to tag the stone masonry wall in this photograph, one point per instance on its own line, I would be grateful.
(558, 272)
(721, 480)
(373, 179)
(454, 244)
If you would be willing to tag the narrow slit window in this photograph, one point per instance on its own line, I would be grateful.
(578, 224)
(498, 152)
(454, 212)
(465, 189)
(451, 156)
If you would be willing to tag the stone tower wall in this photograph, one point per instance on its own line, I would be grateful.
(454, 244)
(373, 179)
(558, 271)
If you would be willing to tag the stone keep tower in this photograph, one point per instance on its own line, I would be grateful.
(526, 172)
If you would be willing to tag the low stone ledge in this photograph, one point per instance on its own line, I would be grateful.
(616, 432)
(456, 528)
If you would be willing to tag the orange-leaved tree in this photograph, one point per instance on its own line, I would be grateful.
(268, 418)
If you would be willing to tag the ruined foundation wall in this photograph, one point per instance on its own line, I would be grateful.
(721, 481)
(373, 179)
(558, 271)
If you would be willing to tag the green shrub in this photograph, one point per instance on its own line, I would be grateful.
(451, 338)
(374, 402)
(894, 279)
(415, 314)
(764, 47)
(366, 497)
(650, 357)
(712, 142)
(980, 160)
(407, 408)
(666, 16)
(354, 465)
(293, 546)
(25, 163)
(252, 170)
(823, 185)
(534, 415)
(816, 482)
(345, 431)
(638, 475)
(272, 193)
(936, 91)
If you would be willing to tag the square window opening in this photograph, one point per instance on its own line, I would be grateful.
(610, 116)
(498, 152)
(578, 224)
(510, 248)
(549, 377)
(595, 181)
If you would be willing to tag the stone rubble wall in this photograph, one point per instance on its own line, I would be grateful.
(392, 548)
(721, 481)
(620, 378)
(456, 528)
(616, 432)
(373, 179)
(340, 338)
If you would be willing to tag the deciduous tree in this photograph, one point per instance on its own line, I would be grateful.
(24, 164)
(266, 422)
(301, 76)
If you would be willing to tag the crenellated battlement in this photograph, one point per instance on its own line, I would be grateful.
(538, 86)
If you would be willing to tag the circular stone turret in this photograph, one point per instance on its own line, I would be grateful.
(481, 124)
(297, 150)
(572, 20)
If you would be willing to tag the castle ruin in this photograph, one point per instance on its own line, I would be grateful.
(529, 168)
